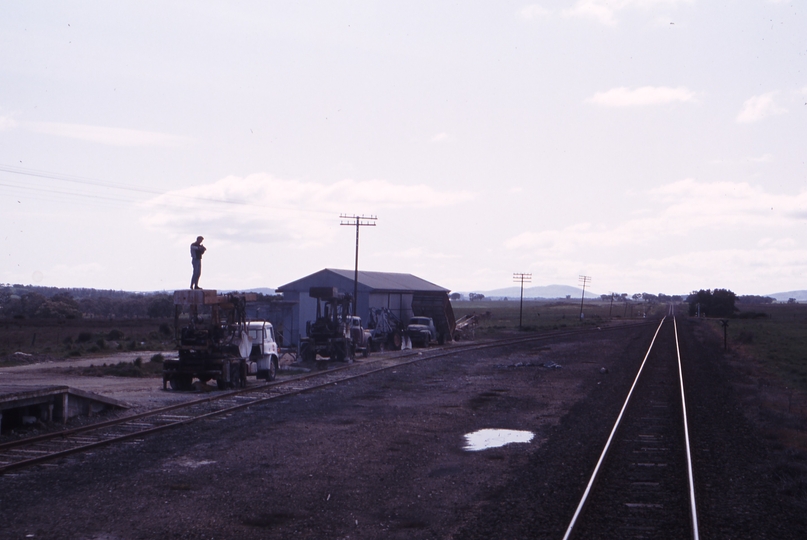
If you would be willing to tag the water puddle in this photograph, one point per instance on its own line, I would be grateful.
(494, 438)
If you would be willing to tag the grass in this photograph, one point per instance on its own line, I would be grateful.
(138, 368)
(542, 315)
(778, 342)
(81, 337)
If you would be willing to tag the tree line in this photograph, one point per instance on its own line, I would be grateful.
(32, 302)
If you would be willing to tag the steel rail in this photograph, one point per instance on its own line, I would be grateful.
(690, 477)
(415, 357)
(583, 500)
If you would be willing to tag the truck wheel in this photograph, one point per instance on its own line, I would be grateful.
(271, 374)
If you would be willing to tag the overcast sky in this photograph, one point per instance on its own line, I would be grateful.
(654, 145)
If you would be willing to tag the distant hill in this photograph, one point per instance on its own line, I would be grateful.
(800, 296)
(263, 290)
(542, 291)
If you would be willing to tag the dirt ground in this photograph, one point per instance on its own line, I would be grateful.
(139, 393)
(384, 457)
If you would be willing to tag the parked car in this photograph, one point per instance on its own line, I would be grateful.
(421, 331)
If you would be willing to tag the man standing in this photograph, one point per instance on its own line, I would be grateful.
(197, 250)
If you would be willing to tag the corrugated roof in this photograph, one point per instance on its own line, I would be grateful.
(375, 281)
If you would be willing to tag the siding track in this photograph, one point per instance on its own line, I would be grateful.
(36, 450)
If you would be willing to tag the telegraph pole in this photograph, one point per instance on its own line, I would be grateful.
(612, 304)
(358, 221)
(583, 280)
(521, 278)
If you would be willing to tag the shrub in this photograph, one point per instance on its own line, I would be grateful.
(138, 361)
(83, 337)
(101, 343)
(115, 334)
(165, 329)
(157, 358)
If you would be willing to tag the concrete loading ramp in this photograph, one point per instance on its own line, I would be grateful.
(24, 405)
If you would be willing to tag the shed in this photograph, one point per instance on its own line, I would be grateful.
(375, 290)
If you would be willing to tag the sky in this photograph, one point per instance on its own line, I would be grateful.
(652, 145)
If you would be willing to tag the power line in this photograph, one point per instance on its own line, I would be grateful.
(133, 189)
(584, 280)
(360, 221)
(521, 278)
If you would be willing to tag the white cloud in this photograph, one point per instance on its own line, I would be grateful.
(592, 9)
(440, 138)
(107, 135)
(764, 158)
(7, 122)
(759, 107)
(686, 206)
(604, 11)
(738, 235)
(262, 208)
(645, 95)
(533, 11)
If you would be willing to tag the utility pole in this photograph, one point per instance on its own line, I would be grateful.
(358, 221)
(584, 280)
(612, 304)
(521, 278)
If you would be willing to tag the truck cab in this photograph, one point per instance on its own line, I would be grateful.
(361, 337)
(261, 349)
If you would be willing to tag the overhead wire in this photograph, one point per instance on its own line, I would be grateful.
(133, 189)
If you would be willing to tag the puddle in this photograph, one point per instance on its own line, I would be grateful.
(494, 438)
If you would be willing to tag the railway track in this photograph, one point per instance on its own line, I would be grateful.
(27, 452)
(642, 485)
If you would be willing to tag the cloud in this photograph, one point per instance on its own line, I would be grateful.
(7, 122)
(645, 95)
(107, 135)
(759, 107)
(533, 11)
(687, 206)
(592, 9)
(440, 138)
(764, 158)
(737, 234)
(262, 208)
(604, 11)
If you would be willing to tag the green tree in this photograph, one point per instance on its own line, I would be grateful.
(717, 303)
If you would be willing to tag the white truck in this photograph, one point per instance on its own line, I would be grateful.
(215, 341)
(263, 357)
